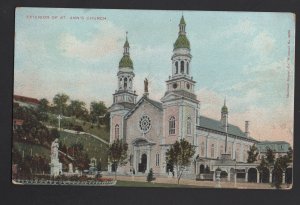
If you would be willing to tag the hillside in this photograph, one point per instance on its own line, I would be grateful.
(93, 147)
(72, 123)
(32, 149)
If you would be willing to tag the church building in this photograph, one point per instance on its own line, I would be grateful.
(151, 127)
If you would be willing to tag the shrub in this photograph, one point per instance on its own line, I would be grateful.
(150, 176)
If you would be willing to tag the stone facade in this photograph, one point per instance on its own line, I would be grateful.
(150, 127)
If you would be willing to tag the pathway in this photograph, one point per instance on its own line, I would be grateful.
(80, 133)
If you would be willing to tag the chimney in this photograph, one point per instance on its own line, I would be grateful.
(247, 128)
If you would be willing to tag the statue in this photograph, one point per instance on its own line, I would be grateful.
(54, 150)
(55, 165)
(146, 85)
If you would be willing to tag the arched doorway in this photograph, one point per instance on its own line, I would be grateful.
(202, 169)
(289, 175)
(264, 175)
(113, 167)
(252, 175)
(169, 168)
(143, 164)
(223, 175)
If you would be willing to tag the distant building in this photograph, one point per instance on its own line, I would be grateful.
(279, 148)
(26, 101)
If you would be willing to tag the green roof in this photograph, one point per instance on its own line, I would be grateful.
(126, 44)
(182, 21)
(224, 109)
(216, 125)
(126, 62)
(182, 42)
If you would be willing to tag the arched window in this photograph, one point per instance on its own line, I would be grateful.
(176, 67)
(212, 151)
(245, 156)
(172, 125)
(125, 83)
(189, 126)
(202, 149)
(237, 154)
(182, 67)
(157, 160)
(117, 132)
(187, 68)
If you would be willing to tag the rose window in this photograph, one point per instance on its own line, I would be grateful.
(145, 123)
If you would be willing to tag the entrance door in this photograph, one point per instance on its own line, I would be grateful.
(143, 164)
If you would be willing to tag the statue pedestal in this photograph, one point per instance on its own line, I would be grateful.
(55, 168)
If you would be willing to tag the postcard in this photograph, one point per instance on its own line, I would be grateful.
(153, 98)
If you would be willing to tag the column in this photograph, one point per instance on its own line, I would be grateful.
(246, 175)
(257, 176)
(283, 177)
(135, 159)
(270, 178)
(214, 176)
(148, 159)
(228, 176)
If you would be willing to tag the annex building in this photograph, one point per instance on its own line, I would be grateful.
(150, 127)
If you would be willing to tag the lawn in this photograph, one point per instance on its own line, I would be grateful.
(94, 148)
(36, 149)
(150, 184)
(88, 127)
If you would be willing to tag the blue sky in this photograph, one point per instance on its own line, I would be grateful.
(240, 55)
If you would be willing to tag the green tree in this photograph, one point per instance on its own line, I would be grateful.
(150, 176)
(60, 103)
(252, 154)
(270, 156)
(43, 109)
(54, 133)
(117, 154)
(97, 109)
(280, 165)
(290, 154)
(76, 108)
(179, 156)
(43, 105)
(262, 167)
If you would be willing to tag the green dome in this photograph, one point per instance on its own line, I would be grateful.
(126, 62)
(224, 109)
(182, 42)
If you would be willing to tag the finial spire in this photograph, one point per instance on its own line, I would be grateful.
(126, 45)
(225, 101)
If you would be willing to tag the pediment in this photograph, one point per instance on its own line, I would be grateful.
(170, 96)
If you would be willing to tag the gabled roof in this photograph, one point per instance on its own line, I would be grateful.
(144, 98)
(216, 125)
(26, 99)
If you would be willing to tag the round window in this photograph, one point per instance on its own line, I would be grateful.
(145, 124)
(175, 85)
(188, 86)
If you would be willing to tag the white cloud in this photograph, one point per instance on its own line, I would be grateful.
(263, 43)
(102, 43)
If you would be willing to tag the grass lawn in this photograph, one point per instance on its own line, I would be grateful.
(94, 148)
(150, 184)
(36, 149)
(101, 131)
